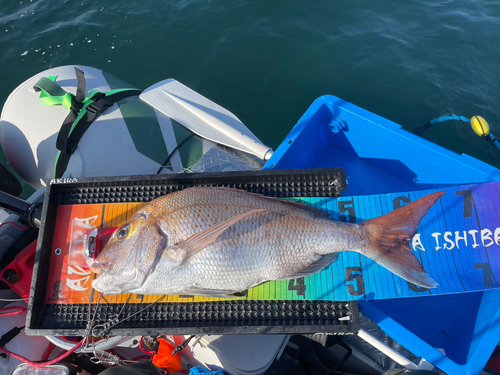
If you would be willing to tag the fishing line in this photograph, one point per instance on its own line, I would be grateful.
(141, 310)
(102, 329)
(105, 327)
(175, 149)
(90, 327)
(91, 321)
(139, 358)
(12, 299)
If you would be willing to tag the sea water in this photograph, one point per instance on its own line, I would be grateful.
(266, 61)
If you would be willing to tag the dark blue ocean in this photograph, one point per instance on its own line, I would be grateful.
(409, 61)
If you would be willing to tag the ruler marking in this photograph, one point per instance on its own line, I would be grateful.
(471, 256)
(459, 222)
(496, 193)
(331, 284)
(490, 224)
(476, 214)
(365, 261)
(376, 210)
(445, 252)
(494, 224)
(483, 225)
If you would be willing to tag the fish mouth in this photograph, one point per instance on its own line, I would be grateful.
(110, 283)
(99, 267)
(104, 287)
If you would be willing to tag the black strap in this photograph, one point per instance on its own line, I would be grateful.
(80, 88)
(94, 109)
(5, 339)
(66, 142)
(76, 106)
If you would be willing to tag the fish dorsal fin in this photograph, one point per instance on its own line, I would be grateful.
(197, 242)
(315, 267)
(315, 211)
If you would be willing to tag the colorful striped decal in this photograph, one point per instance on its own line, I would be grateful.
(457, 243)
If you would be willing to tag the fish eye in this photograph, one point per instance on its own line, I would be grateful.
(122, 233)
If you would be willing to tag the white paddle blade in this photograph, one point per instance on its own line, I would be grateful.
(203, 117)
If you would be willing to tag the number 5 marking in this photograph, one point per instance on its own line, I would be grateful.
(348, 208)
(357, 278)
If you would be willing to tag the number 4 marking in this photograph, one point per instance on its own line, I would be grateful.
(298, 285)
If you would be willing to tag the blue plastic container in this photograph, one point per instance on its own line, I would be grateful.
(377, 155)
(466, 326)
(380, 157)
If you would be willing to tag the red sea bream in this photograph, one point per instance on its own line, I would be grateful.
(217, 241)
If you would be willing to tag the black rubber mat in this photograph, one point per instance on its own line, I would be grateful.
(220, 317)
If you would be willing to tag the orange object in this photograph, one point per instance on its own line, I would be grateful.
(165, 359)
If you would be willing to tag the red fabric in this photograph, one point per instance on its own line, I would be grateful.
(165, 359)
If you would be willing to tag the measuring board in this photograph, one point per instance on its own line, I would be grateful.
(61, 300)
(457, 243)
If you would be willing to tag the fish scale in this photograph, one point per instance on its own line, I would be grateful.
(216, 241)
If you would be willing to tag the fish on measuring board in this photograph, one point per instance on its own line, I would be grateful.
(213, 241)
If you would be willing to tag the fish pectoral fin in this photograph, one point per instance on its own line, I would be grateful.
(197, 242)
(314, 267)
(175, 255)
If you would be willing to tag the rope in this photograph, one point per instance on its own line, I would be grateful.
(14, 224)
(42, 364)
(46, 354)
(12, 310)
(449, 118)
(422, 129)
(16, 310)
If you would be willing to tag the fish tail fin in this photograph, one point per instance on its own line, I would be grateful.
(390, 236)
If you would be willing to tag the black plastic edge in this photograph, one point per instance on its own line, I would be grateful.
(200, 179)
(42, 260)
(44, 249)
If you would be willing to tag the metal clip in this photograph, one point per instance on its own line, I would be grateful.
(89, 246)
(102, 329)
(105, 358)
